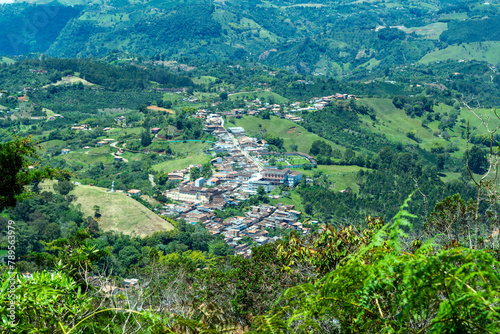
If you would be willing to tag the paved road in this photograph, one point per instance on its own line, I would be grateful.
(245, 153)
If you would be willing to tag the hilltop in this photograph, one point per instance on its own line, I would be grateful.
(120, 213)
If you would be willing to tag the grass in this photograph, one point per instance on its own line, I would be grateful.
(70, 81)
(341, 176)
(292, 133)
(294, 199)
(395, 124)
(430, 31)
(204, 80)
(450, 177)
(484, 51)
(125, 131)
(292, 161)
(189, 148)
(6, 60)
(53, 143)
(260, 95)
(48, 112)
(119, 212)
(88, 159)
(171, 165)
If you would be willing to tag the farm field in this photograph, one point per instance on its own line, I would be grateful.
(70, 81)
(431, 31)
(189, 147)
(292, 133)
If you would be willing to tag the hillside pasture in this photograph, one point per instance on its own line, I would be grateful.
(488, 51)
(175, 164)
(70, 81)
(119, 212)
(291, 132)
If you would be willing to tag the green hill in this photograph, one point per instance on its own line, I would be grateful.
(483, 51)
(292, 133)
(119, 212)
(330, 38)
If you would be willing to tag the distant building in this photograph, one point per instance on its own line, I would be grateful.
(276, 176)
(134, 192)
(199, 182)
(65, 151)
(102, 142)
(188, 194)
(178, 177)
(237, 131)
(213, 181)
(253, 185)
(155, 130)
(293, 178)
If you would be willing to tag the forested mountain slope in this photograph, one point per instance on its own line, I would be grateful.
(326, 37)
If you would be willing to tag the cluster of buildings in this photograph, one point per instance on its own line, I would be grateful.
(257, 106)
(321, 102)
(241, 232)
(236, 176)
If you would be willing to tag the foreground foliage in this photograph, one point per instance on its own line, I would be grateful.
(382, 288)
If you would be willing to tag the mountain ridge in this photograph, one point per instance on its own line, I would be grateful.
(324, 38)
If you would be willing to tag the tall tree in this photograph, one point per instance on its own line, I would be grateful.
(16, 157)
(477, 160)
(145, 139)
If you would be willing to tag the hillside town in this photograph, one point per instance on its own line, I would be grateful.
(240, 172)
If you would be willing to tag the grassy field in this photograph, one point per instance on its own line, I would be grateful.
(294, 199)
(53, 143)
(204, 80)
(395, 124)
(485, 51)
(431, 31)
(341, 176)
(119, 212)
(189, 148)
(88, 159)
(171, 165)
(6, 60)
(70, 81)
(260, 95)
(292, 133)
(48, 112)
